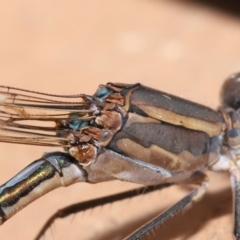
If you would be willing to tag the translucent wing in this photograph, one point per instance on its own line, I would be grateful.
(28, 117)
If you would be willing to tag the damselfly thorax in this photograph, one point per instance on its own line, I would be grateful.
(127, 132)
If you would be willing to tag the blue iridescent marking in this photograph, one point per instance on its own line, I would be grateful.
(75, 123)
(102, 93)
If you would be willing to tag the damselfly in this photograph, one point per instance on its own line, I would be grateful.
(128, 132)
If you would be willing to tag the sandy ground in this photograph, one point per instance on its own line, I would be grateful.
(68, 47)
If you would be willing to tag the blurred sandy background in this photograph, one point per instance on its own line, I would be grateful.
(186, 48)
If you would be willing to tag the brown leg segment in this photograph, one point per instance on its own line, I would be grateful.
(236, 202)
(186, 202)
(78, 207)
